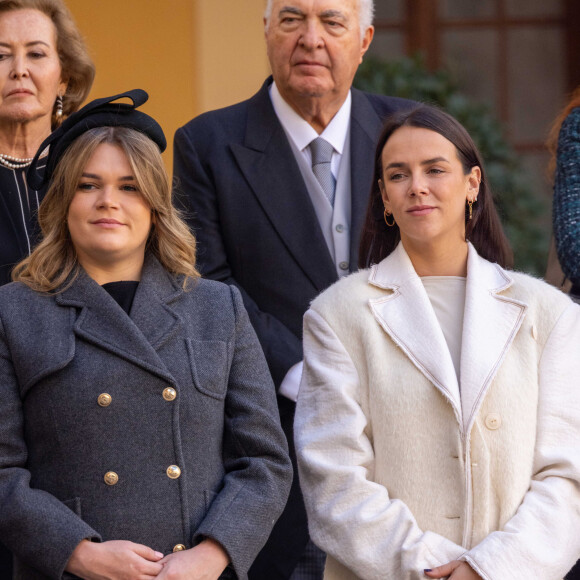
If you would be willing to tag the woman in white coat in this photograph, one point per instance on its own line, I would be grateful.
(438, 419)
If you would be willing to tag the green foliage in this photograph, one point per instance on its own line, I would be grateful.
(521, 209)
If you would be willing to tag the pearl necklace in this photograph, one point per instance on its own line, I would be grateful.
(14, 162)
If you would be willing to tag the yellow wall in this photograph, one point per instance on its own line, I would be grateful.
(189, 55)
(231, 53)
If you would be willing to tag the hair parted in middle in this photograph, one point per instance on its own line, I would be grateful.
(53, 265)
(484, 230)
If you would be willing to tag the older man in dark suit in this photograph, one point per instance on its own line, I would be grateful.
(276, 190)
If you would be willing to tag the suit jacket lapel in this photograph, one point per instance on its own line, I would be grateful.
(103, 323)
(408, 318)
(490, 324)
(364, 131)
(268, 164)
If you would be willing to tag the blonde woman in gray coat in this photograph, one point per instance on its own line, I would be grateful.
(438, 418)
(139, 436)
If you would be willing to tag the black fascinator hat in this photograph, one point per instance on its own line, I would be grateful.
(99, 113)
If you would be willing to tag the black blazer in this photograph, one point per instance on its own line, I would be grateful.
(244, 196)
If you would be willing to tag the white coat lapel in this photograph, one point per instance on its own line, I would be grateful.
(408, 318)
(490, 324)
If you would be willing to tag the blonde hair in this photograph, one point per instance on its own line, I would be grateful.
(53, 265)
(78, 70)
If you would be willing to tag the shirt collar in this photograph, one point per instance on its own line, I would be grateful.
(302, 133)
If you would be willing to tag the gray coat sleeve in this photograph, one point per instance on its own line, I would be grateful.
(255, 454)
(57, 530)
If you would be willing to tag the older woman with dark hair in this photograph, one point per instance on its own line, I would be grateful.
(139, 436)
(438, 417)
(45, 74)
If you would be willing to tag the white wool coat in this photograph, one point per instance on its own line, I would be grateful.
(402, 466)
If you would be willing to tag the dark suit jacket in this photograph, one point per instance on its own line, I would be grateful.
(59, 353)
(238, 181)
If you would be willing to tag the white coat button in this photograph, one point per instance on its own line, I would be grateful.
(343, 265)
(340, 228)
(493, 421)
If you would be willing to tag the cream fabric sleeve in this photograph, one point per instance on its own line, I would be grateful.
(351, 517)
(548, 520)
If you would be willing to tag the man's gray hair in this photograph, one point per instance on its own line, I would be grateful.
(366, 14)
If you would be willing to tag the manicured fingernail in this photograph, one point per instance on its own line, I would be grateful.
(427, 570)
(159, 554)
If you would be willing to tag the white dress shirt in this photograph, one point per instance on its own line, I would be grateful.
(302, 133)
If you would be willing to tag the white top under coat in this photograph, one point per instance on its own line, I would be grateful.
(447, 296)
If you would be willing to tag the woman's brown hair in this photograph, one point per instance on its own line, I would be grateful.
(53, 265)
(484, 230)
(78, 70)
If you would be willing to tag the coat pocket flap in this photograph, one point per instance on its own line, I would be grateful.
(209, 366)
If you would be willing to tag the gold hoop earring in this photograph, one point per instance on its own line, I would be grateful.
(470, 204)
(386, 214)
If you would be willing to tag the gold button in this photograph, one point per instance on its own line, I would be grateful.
(493, 421)
(173, 472)
(169, 394)
(178, 548)
(111, 478)
(104, 400)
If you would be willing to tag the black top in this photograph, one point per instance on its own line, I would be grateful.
(19, 230)
(123, 292)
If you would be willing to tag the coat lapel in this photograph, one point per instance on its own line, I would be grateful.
(490, 324)
(103, 323)
(364, 132)
(408, 318)
(151, 311)
(269, 166)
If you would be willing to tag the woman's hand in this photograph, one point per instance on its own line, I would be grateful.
(206, 561)
(454, 571)
(114, 560)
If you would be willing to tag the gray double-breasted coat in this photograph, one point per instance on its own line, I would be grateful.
(186, 445)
